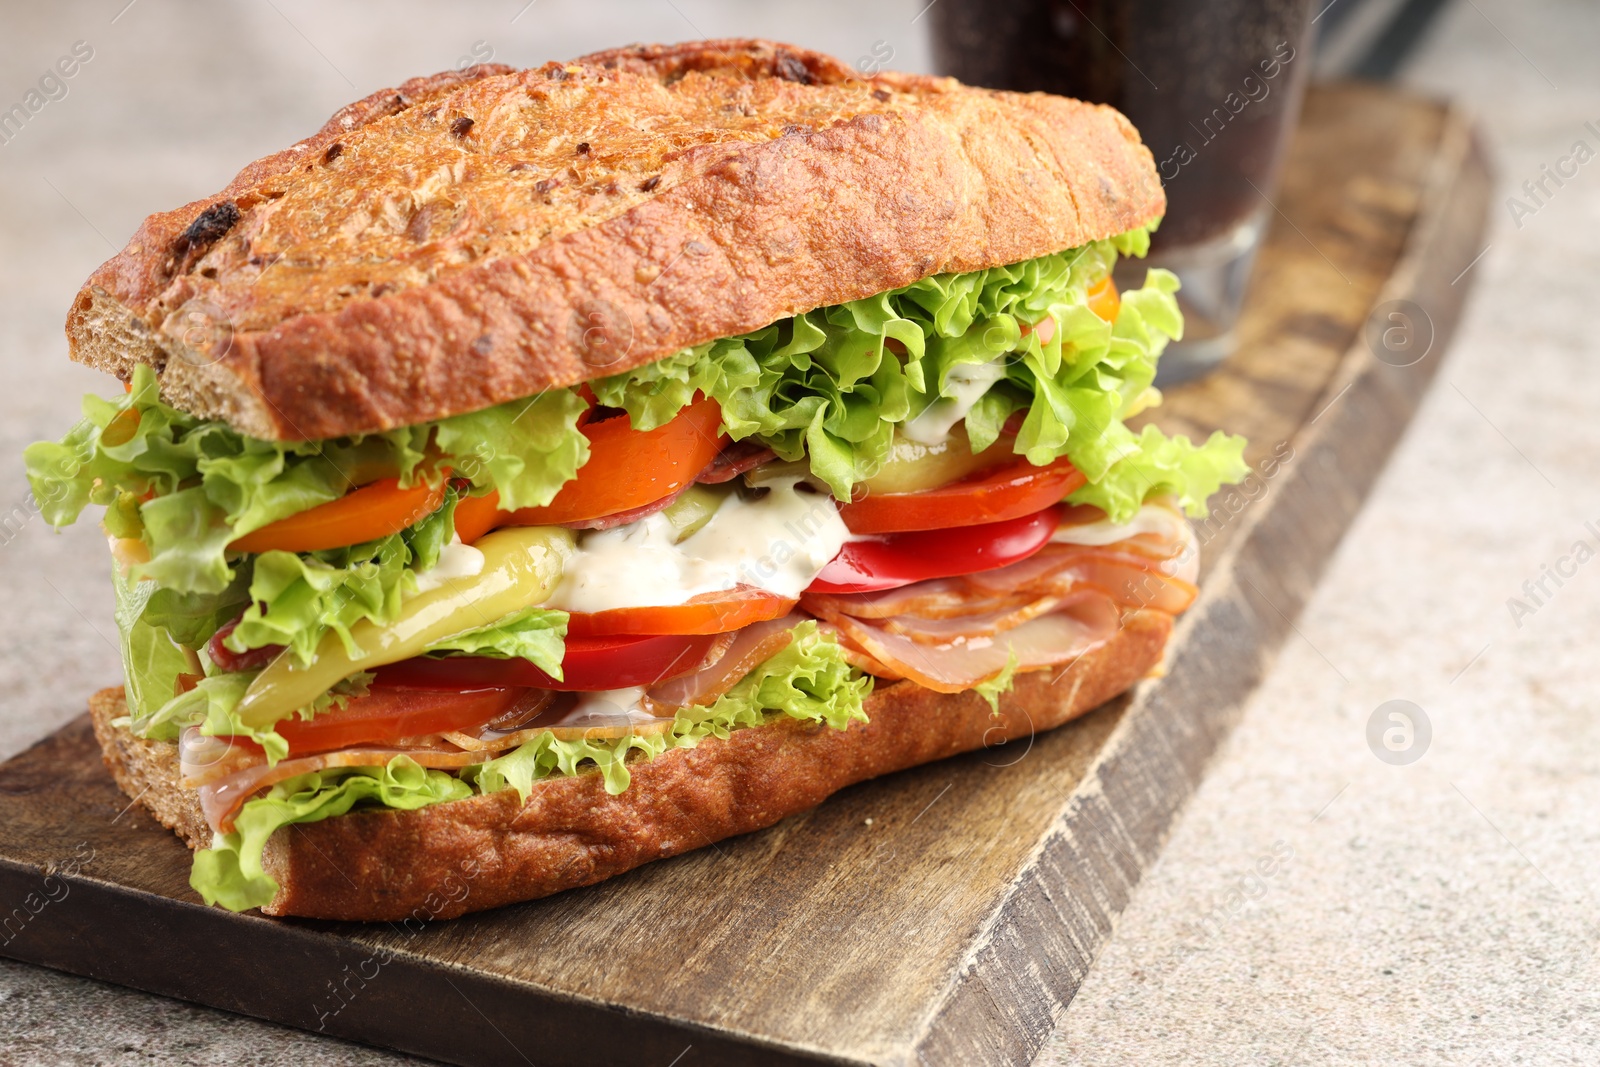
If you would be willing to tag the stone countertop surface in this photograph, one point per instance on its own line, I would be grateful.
(1438, 912)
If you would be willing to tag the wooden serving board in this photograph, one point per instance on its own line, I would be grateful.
(944, 915)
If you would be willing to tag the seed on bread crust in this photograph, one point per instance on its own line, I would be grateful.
(208, 226)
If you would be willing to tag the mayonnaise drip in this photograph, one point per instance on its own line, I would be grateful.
(609, 707)
(456, 561)
(778, 542)
(1150, 519)
(1158, 519)
(966, 383)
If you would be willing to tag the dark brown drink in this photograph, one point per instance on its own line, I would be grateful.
(1213, 86)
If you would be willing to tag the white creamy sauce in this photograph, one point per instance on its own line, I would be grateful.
(609, 707)
(779, 543)
(1156, 519)
(456, 561)
(1151, 519)
(965, 383)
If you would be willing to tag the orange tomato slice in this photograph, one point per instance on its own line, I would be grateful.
(364, 514)
(476, 516)
(1104, 300)
(627, 469)
(708, 613)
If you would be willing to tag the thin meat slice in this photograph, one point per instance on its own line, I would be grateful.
(623, 518)
(734, 460)
(1132, 584)
(1059, 637)
(754, 645)
(1134, 580)
(985, 624)
(221, 800)
(938, 598)
(856, 656)
(1040, 567)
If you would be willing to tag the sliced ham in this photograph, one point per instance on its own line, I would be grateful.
(203, 759)
(734, 460)
(985, 624)
(753, 646)
(938, 598)
(950, 634)
(221, 800)
(864, 661)
(622, 518)
(1133, 584)
(1159, 530)
(1134, 580)
(1087, 622)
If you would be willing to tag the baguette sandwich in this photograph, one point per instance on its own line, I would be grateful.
(538, 473)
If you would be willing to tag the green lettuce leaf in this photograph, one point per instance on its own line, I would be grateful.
(151, 662)
(296, 599)
(189, 487)
(1153, 464)
(525, 450)
(808, 680)
(191, 618)
(211, 706)
(832, 385)
(537, 635)
(990, 689)
(230, 872)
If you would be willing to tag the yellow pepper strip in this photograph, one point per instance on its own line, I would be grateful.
(521, 568)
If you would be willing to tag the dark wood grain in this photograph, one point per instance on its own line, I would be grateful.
(942, 915)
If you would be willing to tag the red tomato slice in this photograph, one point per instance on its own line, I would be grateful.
(900, 559)
(388, 713)
(708, 613)
(590, 664)
(364, 514)
(994, 495)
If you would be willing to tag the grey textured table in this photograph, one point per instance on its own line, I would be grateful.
(1439, 912)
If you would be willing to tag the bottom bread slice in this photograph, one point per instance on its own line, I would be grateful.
(485, 851)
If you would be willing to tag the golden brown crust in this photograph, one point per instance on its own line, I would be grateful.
(486, 851)
(479, 236)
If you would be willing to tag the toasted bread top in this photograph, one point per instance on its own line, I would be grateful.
(477, 236)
